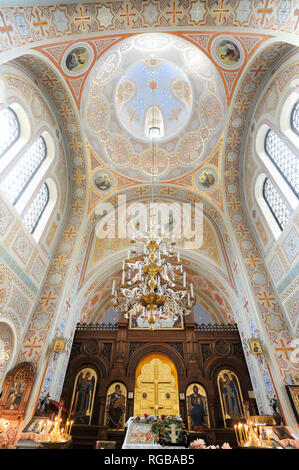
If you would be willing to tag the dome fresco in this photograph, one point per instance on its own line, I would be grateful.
(154, 81)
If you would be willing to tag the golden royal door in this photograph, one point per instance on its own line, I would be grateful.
(156, 387)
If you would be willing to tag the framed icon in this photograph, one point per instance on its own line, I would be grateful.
(255, 346)
(59, 345)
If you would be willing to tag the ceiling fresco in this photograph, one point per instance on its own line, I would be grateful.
(116, 80)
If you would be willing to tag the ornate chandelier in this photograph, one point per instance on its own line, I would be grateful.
(149, 284)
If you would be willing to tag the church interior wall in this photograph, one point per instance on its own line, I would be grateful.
(25, 258)
(42, 282)
(279, 248)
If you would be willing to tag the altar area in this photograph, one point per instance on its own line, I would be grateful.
(151, 431)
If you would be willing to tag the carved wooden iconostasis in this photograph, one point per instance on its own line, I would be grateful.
(198, 372)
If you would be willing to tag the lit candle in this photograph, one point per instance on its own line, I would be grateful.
(240, 433)
(178, 257)
(70, 427)
(123, 277)
(113, 287)
(66, 426)
(184, 279)
(236, 432)
(191, 289)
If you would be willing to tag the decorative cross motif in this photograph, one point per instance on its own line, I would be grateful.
(60, 261)
(79, 177)
(234, 139)
(242, 104)
(258, 70)
(231, 172)
(221, 11)
(235, 204)
(69, 233)
(51, 80)
(48, 299)
(174, 432)
(68, 305)
(245, 304)
(40, 23)
(242, 230)
(75, 146)
(284, 349)
(265, 11)
(266, 299)
(140, 191)
(253, 260)
(32, 346)
(168, 190)
(77, 206)
(65, 110)
(82, 19)
(174, 12)
(5, 28)
(127, 15)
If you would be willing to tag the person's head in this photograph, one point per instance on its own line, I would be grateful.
(117, 388)
(79, 54)
(195, 388)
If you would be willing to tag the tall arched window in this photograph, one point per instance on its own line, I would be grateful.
(23, 171)
(33, 214)
(10, 129)
(284, 159)
(277, 206)
(295, 118)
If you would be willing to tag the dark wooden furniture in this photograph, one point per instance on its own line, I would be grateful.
(199, 353)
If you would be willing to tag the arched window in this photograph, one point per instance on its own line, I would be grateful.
(23, 171)
(277, 206)
(295, 118)
(284, 159)
(32, 216)
(10, 129)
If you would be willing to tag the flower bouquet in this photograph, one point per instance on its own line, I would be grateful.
(170, 431)
(200, 444)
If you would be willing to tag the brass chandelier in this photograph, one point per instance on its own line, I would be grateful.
(150, 281)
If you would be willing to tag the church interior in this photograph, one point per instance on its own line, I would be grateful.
(149, 265)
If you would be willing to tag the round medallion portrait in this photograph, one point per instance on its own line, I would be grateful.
(206, 179)
(227, 52)
(77, 59)
(103, 181)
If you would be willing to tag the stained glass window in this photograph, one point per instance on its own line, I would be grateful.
(18, 178)
(36, 209)
(284, 159)
(295, 118)
(10, 129)
(277, 206)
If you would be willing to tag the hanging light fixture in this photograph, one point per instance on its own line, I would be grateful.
(153, 282)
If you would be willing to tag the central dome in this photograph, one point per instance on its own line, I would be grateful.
(154, 97)
(153, 85)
